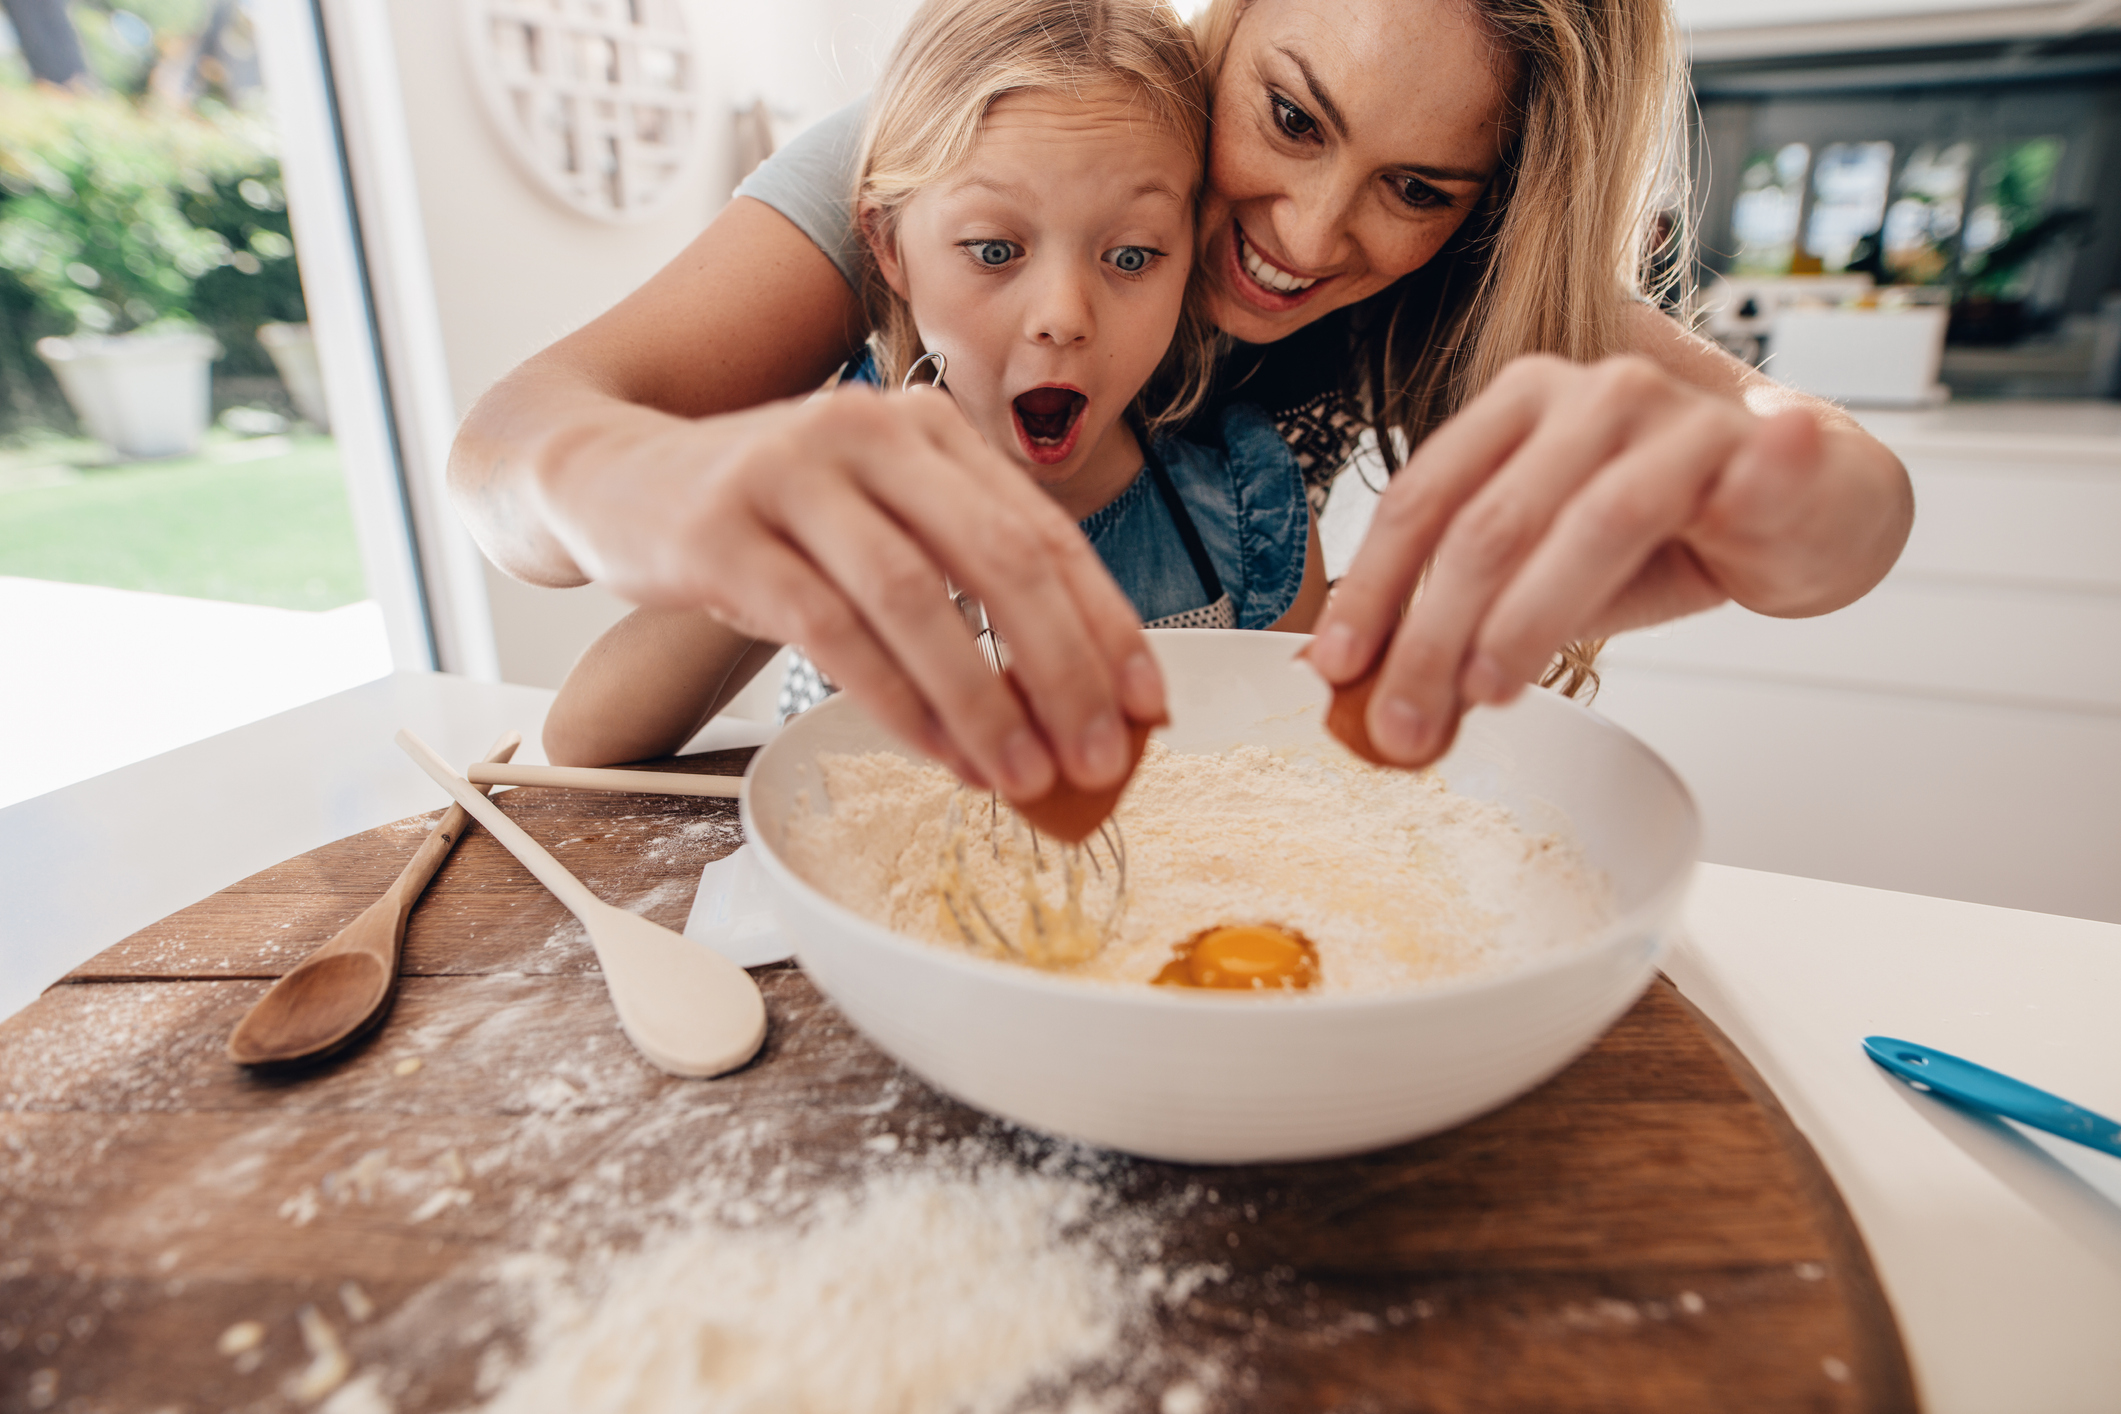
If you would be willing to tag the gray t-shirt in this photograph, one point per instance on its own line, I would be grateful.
(811, 182)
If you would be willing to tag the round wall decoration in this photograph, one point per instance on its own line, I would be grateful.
(600, 100)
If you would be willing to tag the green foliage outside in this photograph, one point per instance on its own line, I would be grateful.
(119, 215)
(148, 194)
(112, 36)
(2018, 180)
(273, 531)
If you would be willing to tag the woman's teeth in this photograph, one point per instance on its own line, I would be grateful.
(1280, 281)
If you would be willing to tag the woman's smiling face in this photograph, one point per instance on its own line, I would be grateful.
(1351, 140)
(1051, 271)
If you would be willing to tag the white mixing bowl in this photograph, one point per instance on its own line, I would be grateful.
(1205, 1078)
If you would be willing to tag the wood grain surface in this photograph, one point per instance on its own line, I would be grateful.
(1644, 1233)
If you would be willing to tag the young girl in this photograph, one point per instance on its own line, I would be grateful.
(1026, 198)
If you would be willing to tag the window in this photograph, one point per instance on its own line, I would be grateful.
(2010, 199)
(1849, 187)
(1924, 219)
(1764, 215)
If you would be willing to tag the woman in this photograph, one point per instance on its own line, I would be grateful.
(1441, 200)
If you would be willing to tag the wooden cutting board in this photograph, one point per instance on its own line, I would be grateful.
(1646, 1232)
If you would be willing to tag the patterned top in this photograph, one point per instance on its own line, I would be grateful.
(1321, 433)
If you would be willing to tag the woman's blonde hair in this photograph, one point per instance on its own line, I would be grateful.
(1576, 227)
(955, 59)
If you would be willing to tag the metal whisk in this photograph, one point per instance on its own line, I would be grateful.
(1070, 897)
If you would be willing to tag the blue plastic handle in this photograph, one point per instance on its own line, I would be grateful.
(1985, 1089)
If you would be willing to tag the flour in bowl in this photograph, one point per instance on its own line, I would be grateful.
(1397, 879)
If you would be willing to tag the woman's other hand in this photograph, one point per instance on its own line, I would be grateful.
(1570, 502)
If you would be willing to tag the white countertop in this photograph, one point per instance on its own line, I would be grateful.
(1999, 1247)
(85, 866)
(2000, 1250)
(2088, 426)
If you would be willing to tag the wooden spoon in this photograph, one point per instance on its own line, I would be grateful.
(343, 988)
(485, 773)
(684, 1006)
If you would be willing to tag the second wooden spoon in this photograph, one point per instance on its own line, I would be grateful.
(340, 990)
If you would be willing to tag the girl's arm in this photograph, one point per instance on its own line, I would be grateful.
(646, 685)
(1311, 594)
(1571, 502)
(645, 451)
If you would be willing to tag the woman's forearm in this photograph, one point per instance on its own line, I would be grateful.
(1811, 511)
(1793, 535)
(749, 313)
(538, 431)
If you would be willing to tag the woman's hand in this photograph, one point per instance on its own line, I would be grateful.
(647, 450)
(1570, 502)
(834, 523)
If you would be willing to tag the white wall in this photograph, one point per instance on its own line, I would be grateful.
(805, 57)
(513, 269)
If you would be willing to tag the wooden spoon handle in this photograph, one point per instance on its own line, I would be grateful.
(528, 852)
(587, 778)
(444, 836)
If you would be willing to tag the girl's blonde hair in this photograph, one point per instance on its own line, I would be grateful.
(954, 60)
(1576, 227)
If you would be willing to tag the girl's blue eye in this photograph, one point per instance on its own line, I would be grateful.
(992, 252)
(1131, 259)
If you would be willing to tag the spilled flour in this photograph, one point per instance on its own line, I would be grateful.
(959, 1281)
(1396, 878)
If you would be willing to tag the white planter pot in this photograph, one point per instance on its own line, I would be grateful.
(146, 395)
(294, 353)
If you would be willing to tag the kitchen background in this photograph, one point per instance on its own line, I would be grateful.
(1958, 732)
(1910, 205)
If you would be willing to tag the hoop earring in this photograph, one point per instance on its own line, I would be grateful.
(923, 361)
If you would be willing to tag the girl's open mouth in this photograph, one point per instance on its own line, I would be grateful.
(1048, 420)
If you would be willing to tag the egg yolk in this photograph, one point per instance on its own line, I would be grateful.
(1243, 958)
